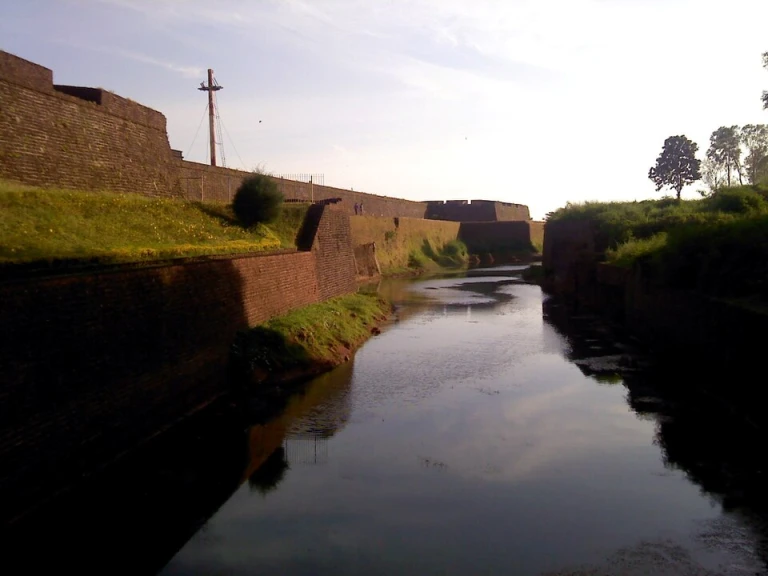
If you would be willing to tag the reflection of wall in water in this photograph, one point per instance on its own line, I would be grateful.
(306, 449)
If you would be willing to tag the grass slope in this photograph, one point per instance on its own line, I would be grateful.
(404, 246)
(320, 335)
(47, 225)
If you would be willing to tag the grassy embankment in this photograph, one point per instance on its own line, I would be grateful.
(48, 226)
(412, 245)
(717, 246)
(308, 340)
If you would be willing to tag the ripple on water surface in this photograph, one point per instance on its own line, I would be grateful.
(466, 440)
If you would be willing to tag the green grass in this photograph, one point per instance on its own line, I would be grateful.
(453, 254)
(627, 223)
(44, 225)
(627, 253)
(400, 246)
(716, 246)
(320, 334)
(725, 259)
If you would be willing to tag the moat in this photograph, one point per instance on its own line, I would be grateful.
(485, 431)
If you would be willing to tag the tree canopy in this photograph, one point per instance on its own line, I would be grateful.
(755, 140)
(765, 92)
(677, 165)
(725, 150)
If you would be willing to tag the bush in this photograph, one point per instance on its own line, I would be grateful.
(257, 200)
(726, 258)
(625, 254)
(417, 259)
(741, 200)
(453, 255)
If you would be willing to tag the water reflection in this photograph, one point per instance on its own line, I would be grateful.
(718, 448)
(475, 440)
(143, 509)
(485, 431)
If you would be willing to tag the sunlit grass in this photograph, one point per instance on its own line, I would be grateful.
(43, 225)
(626, 253)
(317, 334)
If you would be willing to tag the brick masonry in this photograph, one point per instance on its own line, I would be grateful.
(476, 211)
(91, 139)
(52, 138)
(94, 363)
(481, 237)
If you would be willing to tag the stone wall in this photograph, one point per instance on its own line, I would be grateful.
(397, 238)
(91, 139)
(366, 262)
(476, 211)
(94, 363)
(569, 255)
(500, 237)
(71, 139)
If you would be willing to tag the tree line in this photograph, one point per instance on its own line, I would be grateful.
(735, 154)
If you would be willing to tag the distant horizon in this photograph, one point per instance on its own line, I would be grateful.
(534, 103)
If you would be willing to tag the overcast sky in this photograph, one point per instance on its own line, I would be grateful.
(531, 101)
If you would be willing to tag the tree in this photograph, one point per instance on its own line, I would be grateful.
(765, 92)
(755, 140)
(712, 175)
(725, 150)
(677, 165)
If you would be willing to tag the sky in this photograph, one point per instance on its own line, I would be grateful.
(538, 102)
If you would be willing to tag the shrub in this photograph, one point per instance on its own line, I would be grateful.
(257, 200)
(741, 200)
(417, 259)
(453, 255)
(625, 254)
(726, 258)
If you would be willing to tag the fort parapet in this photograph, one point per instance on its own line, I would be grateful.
(91, 139)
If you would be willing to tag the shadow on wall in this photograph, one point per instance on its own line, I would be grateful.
(94, 364)
(502, 238)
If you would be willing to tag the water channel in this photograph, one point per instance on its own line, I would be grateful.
(484, 431)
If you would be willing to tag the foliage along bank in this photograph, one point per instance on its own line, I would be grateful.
(717, 246)
(307, 341)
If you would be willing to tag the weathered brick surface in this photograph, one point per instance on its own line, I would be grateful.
(24, 72)
(366, 262)
(94, 363)
(53, 138)
(506, 211)
(476, 211)
(498, 236)
(536, 229)
(91, 139)
(569, 255)
(334, 250)
(200, 181)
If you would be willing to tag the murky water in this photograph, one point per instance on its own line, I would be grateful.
(468, 438)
